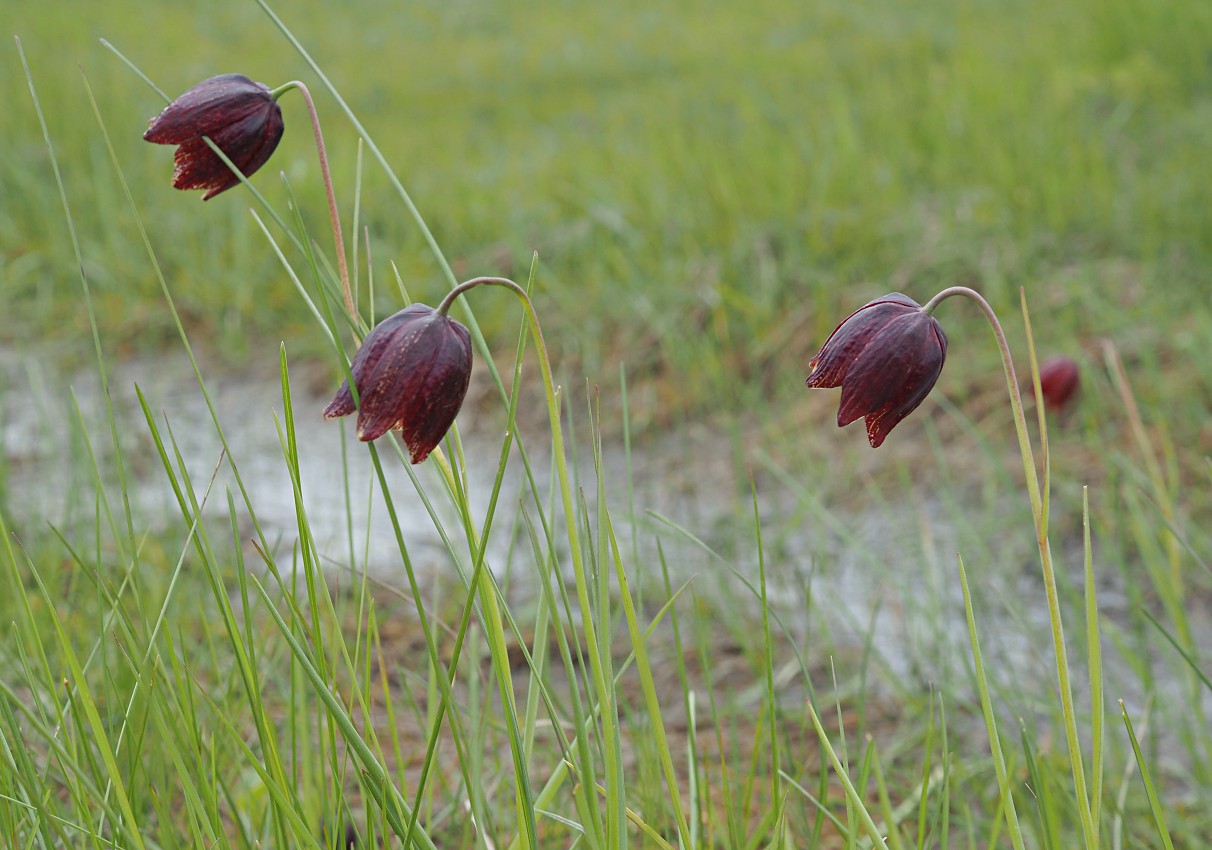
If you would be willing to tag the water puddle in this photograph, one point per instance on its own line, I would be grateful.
(884, 579)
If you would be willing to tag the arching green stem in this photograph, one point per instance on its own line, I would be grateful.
(602, 681)
(1016, 398)
(1040, 513)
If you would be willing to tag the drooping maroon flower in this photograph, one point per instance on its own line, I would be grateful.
(411, 374)
(239, 115)
(886, 357)
(1059, 381)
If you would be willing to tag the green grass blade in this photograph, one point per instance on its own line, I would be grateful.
(1095, 664)
(995, 746)
(395, 808)
(648, 685)
(852, 795)
(1159, 817)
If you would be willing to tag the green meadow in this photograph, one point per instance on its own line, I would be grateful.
(646, 593)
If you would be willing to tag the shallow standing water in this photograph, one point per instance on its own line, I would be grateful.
(884, 576)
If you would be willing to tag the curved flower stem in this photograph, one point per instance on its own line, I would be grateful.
(557, 434)
(602, 681)
(1040, 513)
(1016, 398)
(334, 216)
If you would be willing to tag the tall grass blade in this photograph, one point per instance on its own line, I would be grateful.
(852, 796)
(1159, 817)
(995, 744)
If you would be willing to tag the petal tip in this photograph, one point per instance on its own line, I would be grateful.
(418, 454)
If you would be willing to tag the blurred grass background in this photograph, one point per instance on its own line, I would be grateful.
(710, 188)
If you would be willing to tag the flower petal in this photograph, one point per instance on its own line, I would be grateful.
(376, 343)
(418, 385)
(205, 108)
(846, 343)
(248, 144)
(890, 367)
(918, 380)
(342, 403)
(445, 388)
(387, 388)
(197, 166)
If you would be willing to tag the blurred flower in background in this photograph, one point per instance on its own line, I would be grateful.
(1059, 383)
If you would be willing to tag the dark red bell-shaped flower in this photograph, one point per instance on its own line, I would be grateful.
(886, 357)
(1059, 381)
(411, 374)
(239, 115)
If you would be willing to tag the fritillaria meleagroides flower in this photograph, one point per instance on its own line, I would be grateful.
(411, 374)
(886, 357)
(1059, 381)
(240, 116)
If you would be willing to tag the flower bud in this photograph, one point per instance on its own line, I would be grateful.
(1059, 382)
